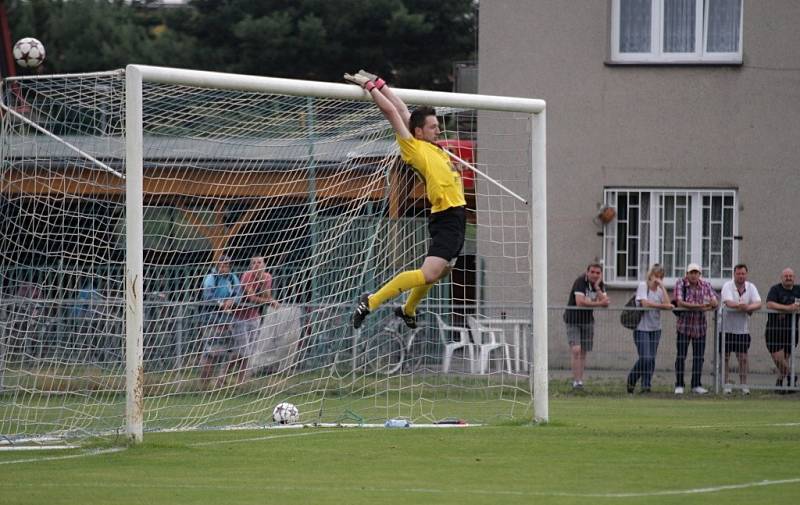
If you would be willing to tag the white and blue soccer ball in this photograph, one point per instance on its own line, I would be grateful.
(29, 52)
(285, 413)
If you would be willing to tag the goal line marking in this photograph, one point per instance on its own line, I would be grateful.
(95, 452)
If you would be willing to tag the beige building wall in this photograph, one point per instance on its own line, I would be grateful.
(706, 126)
(652, 126)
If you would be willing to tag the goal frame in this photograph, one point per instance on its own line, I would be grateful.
(136, 75)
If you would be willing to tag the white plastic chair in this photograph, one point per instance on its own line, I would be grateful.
(462, 340)
(487, 340)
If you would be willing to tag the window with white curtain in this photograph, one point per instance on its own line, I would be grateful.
(672, 227)
(676, 31)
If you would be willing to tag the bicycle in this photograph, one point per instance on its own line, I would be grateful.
(391, 349)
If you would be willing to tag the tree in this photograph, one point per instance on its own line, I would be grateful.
(412, 42)
(82, 35)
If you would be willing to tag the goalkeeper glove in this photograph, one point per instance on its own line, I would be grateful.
(379, 83)
(361, 80)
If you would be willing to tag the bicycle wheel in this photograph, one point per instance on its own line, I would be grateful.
(344, 363)
(385, 353)
(420, 350)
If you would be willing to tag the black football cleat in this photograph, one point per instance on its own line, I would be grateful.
(361, 312)
(411, 321)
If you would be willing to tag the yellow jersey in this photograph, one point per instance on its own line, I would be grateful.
(442, 183)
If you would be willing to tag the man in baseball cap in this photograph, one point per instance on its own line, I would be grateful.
(696, 297)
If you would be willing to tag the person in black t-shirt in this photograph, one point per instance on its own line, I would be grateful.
(784, 298)
(587, 291)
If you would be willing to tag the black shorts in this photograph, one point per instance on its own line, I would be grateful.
(447, 232)
(780, 341)
(736, 342)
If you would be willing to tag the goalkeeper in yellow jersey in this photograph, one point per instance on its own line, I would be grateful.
(416, 133)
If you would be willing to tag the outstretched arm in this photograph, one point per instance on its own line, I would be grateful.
(392, 107)
(383, 87)
(393, 114)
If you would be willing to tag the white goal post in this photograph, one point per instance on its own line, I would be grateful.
(135, 75)
(141, 184)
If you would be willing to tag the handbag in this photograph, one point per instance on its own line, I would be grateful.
(630, 318)
(679, 311)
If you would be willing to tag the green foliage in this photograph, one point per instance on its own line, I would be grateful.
(81, 35)
(412, 42)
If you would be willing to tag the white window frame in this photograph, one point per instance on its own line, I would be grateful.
(657, 55)
(650, 249)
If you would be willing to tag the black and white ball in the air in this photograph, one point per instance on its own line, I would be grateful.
(29, 52)
(285, 413)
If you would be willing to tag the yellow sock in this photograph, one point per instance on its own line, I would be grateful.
(401, 282)
(416, 296)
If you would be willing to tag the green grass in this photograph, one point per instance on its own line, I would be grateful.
(597, 449)
(424, 398)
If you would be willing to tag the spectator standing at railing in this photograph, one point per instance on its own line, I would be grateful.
(784, 298)
(30, 295)
(740, 299)
(256, 293)
(87, 297)
(221, 293)
(697, 297)
(587, 291)
(651, 294)
(29, 291)
(88, 320)
(23, 317)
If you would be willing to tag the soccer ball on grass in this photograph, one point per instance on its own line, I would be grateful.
(29, 52)
(285, 413)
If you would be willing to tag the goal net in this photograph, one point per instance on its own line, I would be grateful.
(132, 292)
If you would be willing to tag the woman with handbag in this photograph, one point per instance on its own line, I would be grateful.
(651, 294)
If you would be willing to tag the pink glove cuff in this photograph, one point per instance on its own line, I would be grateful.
(369, 86)
(379, 83)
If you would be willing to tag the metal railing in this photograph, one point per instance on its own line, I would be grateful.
(614, 351)
(75, 331)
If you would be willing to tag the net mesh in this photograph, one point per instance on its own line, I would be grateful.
(313, 186)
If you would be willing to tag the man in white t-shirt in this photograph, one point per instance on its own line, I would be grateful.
(740, 298)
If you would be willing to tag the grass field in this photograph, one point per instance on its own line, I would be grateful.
(597, 449)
